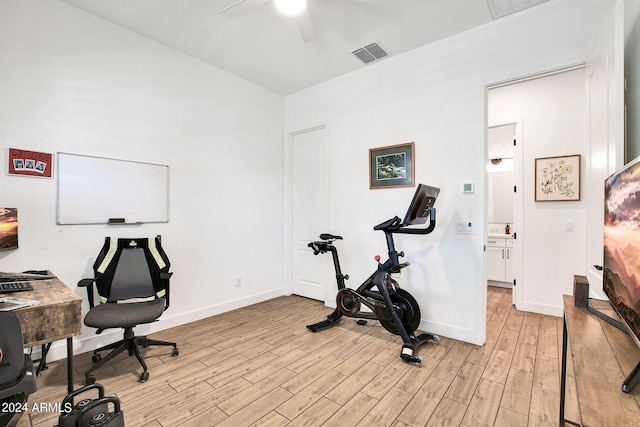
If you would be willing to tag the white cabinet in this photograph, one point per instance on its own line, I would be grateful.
(500, 255)
(509, 272)
(496, 262)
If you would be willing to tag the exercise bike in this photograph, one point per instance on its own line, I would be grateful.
(395, 308)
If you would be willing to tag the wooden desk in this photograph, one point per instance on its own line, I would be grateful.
(602, 357)
(57, 317)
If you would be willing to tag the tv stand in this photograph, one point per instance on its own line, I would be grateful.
(597, 353)
(632, 379)
(634, 376)
(610, 320)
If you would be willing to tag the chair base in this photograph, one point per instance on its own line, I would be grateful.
(130, 343)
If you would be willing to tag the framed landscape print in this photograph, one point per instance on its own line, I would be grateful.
(391, 166)
(557, 179)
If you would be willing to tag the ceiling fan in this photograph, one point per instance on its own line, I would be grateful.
(295, 7)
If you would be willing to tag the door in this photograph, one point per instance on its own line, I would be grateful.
(310, 207)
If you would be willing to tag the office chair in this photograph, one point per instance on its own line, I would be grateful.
(132, 282)
(17, 375)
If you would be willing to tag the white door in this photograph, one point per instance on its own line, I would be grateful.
(310, 207)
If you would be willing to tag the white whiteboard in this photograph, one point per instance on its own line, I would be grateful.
(92, 190)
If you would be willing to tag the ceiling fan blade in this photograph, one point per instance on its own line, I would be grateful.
(306, 27)
(239, 7)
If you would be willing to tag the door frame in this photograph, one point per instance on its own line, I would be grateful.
(288, 246)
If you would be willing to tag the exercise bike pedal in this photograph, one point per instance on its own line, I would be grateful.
(407, 355)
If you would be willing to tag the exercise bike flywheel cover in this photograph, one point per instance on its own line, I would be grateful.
(347, 303)
(408, 311)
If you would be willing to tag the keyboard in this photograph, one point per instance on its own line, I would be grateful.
(15, 287)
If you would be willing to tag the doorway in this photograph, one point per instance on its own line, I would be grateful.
(502, 224)
(309, 198)
(550, 108)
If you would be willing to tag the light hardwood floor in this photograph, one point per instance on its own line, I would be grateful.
(260, 366)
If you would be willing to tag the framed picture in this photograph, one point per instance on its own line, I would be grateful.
(30, 163)
(8, 228)
(391, 166)
(558, 178)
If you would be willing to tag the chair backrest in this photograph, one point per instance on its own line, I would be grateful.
(131, 268)
(11, 351)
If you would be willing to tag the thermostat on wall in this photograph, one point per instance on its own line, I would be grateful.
(468, 187)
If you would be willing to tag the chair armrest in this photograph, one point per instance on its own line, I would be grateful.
(85, 282)
(88, 283)
(166, 275)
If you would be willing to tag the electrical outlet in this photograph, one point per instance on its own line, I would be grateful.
(238, 282)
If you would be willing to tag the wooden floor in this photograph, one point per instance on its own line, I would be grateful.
(260, 366)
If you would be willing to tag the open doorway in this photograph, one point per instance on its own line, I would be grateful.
(548, 111)
(501, 205)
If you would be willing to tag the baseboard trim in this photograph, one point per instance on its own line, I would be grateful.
(453, 332)
(548, 310)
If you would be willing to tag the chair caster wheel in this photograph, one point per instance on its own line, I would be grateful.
(96, 358)
(175, 351)
(89, 380)
(436, 339)
(144, 377)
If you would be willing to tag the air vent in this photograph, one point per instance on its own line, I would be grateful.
(500, 8)
(370, 53)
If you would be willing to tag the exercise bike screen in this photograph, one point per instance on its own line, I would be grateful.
(423, 199)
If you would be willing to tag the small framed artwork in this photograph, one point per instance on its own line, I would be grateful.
(391, 166)
(557, 179)
(8, 228)
(30, 163)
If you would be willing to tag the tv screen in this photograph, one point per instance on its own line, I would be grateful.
(423, 199)
(8, 228)
(621, 269)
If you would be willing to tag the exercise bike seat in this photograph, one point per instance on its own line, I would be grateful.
(327, 236)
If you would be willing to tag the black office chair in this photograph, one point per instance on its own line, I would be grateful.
(17, 375)
(132, 281)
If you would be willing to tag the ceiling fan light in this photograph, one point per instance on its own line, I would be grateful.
(291, 7)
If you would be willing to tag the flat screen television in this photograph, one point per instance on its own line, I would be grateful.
(8, 228)
(621, 264)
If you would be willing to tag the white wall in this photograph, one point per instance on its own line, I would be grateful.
(632, 71)
(554, 123)
(435, 96)
(74, 83)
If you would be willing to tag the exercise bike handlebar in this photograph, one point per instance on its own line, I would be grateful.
(395, 225)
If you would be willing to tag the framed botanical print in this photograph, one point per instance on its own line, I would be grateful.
(557, 179)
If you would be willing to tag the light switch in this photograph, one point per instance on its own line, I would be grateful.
(568, 227)
(464, 227)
